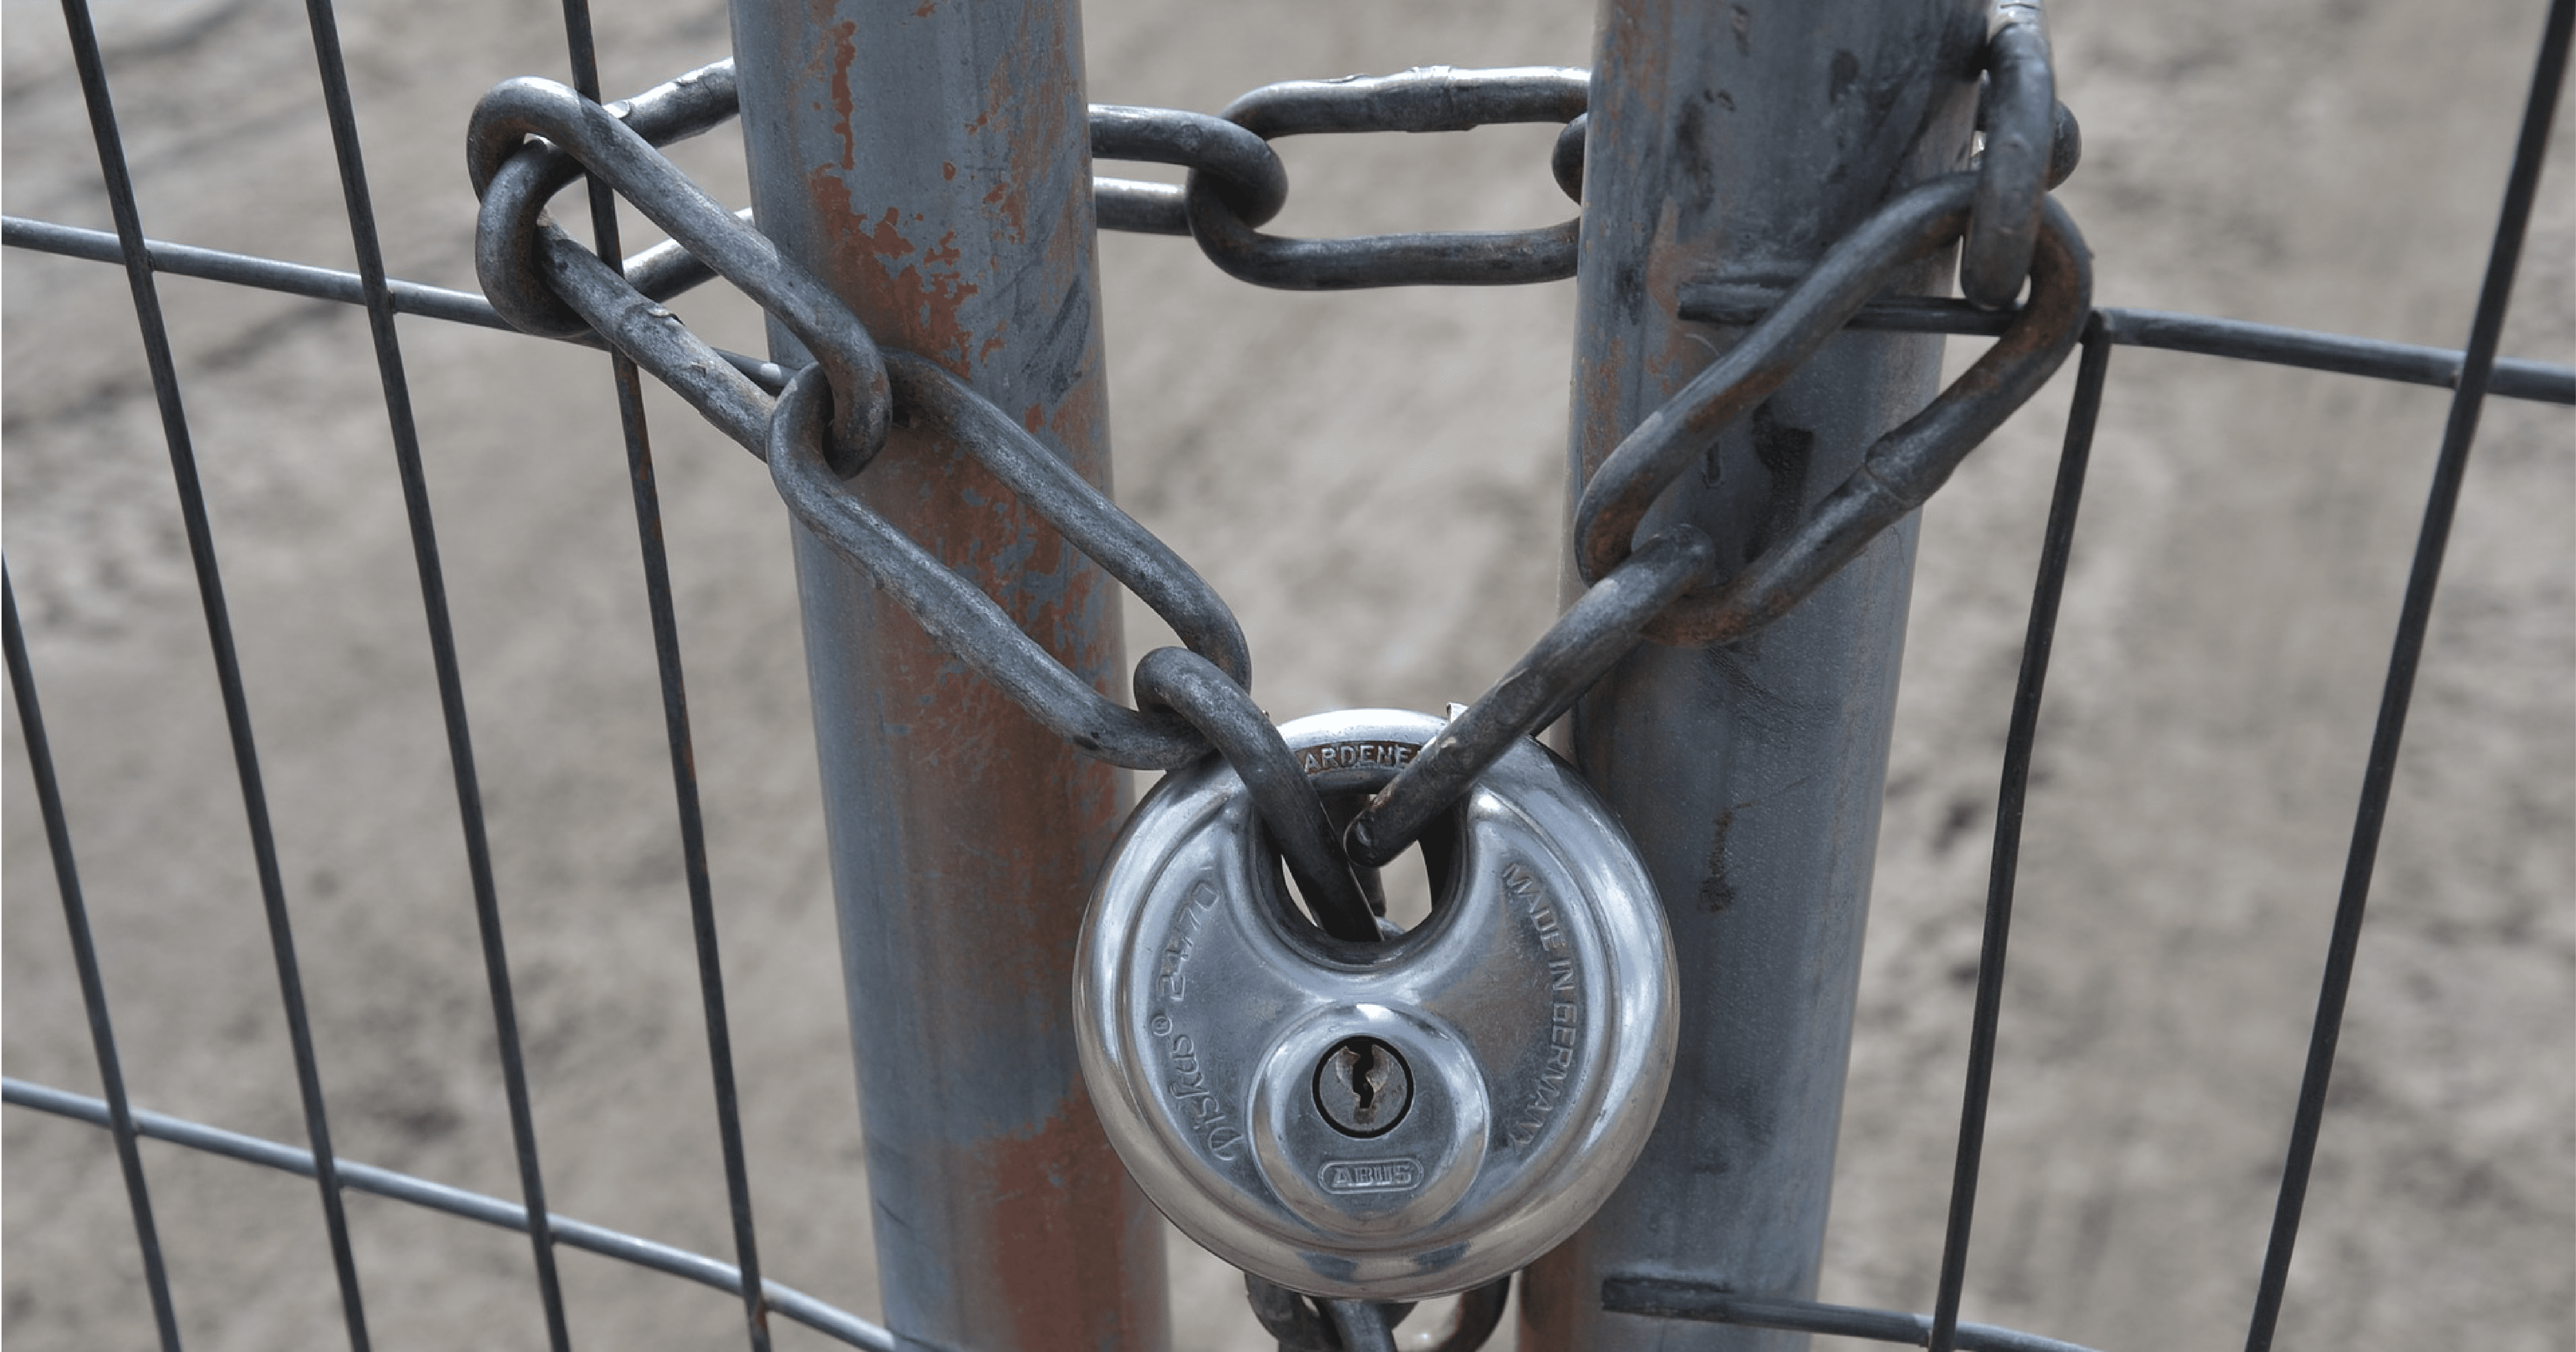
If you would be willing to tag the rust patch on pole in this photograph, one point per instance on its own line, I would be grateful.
(1053, 1188)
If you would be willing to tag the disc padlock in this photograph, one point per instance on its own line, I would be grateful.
(1389, 1121)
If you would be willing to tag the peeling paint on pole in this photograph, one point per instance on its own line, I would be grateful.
(931, 162)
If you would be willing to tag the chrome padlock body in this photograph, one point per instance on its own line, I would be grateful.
(1532, 1016)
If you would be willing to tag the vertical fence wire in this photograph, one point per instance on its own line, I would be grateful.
(92, 70)
(347, 146)
(584, 54)
(102, 1034)
(2057, 549)
(2414, 620)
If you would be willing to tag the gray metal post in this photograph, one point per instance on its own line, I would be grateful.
(932, 164)
(1738, 141)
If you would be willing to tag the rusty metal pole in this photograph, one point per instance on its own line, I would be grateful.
(1735, 142)
(931, 162)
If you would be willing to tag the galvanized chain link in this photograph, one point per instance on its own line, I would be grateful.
(2016, 115)
(1241, 168)
(1223, 712)
(1897, 474)
(819, 426)
(958, 614)
(1899, 471)
(1434, 98)
(604, 145)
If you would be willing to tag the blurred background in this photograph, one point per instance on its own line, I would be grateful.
(1374, 481)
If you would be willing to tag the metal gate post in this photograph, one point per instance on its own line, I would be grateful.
(931, 162)
(1735, 142)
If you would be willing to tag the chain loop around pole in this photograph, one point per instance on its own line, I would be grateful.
(505, 239)
(530, 174)
(1916, 224)
(957, 614)
(1657, 591)
(1904, 466)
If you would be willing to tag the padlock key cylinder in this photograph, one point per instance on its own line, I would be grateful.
(1363, 1088)
(1389, 1121)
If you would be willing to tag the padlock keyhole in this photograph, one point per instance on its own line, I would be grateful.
(1362, 1087)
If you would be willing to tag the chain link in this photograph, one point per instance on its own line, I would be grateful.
(1222, 710)
(958, 614)
(819, 425)
(524, 175)
(1433, 98)
(1586, 641)
(2017, 115)
(1305, 1324)
(611, 150)
(1243, 170)
(1897, 474)
(1905, 464)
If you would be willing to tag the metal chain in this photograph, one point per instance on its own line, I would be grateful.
(1434, 98)
(1305, 1324)
(603, 143)
(1242, 170)
(1900, 470)
(1223, 712)
(958, 614)
(820, 425)
(1898, 473)
(2016, 115)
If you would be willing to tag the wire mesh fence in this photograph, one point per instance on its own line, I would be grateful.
(2229, 603)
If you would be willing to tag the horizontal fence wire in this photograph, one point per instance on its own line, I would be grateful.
(1705, 1304)
(2200, 335)
(2474, 372)
(474, 1206)
(304, 279)
(265, 274)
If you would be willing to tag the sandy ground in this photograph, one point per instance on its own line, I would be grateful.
(1372, 481)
